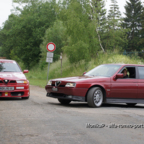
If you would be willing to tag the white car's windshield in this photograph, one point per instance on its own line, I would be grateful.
(103, 70)
(9, 67)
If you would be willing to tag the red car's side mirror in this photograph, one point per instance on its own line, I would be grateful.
(119, 75)
(25, 71)
(84, 73)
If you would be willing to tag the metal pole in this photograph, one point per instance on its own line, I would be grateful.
(61, 63)
(48, 71)
(61, 67)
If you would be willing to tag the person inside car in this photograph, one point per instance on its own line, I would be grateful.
(125, 75)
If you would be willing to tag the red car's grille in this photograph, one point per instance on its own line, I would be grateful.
(11, 81)
(17, 93)
(62, 86)
(59, 85)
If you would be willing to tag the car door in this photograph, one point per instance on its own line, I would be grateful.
(141, 82)
(124, 87)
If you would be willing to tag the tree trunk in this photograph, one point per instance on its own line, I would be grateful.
(100, 40)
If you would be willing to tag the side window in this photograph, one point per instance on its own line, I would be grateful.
(141, 72)
(129, 72)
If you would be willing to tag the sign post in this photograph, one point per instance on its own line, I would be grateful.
(51, 47)
(61, 63)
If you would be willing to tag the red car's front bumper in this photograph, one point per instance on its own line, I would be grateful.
(16, 92)
(76, 94)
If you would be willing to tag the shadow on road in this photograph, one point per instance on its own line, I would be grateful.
(74, 105)
(11, 99)
(122, 106)
(85, 105)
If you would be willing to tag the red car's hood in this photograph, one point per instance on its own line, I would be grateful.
(12, 75)
(77, 79)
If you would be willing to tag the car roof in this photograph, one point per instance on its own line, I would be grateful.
(125, 64)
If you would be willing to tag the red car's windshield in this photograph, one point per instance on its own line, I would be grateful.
(103, 70)
(9, 67)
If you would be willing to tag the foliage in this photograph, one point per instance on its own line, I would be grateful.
(132, 21)
(142, 31)
(79, 28)
(22, 34)
(7, 36)
(97, 15)
(56, 34)
(115, 35)
(83, 39)
(0, 51)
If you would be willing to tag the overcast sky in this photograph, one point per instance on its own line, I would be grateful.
(6, 6)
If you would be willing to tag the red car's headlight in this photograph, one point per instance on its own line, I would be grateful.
(22, 82)
(70, 85)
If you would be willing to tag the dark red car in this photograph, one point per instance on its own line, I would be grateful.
(103, 84)
(13, 82)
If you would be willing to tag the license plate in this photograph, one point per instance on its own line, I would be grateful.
(6, 88)
(55, 89)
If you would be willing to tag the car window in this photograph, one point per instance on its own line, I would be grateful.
(141, 72)
(129, 72)
(9, 67)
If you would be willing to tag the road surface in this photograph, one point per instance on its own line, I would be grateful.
(42, 120)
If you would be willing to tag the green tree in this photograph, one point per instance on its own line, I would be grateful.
(98, 17)
(1, 54)
(141, 43)
(115, 35)
(83, 41)
(56, 34)
(26, 30)
(132, 21)
(7, 35)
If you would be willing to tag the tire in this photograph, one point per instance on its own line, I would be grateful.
(25, 97)
(95, 97)
(131, 104)
(64, 101)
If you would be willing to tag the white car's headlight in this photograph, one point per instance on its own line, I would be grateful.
(49, 82)
(70, 85)
(21, 82)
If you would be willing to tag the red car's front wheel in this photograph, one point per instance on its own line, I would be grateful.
(64, 101)
(95, 97)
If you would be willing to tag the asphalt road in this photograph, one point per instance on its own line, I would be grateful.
(42, 120)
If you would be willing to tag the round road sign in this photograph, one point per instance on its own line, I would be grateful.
(51, 47)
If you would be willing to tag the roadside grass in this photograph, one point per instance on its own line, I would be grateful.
(38, 77)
